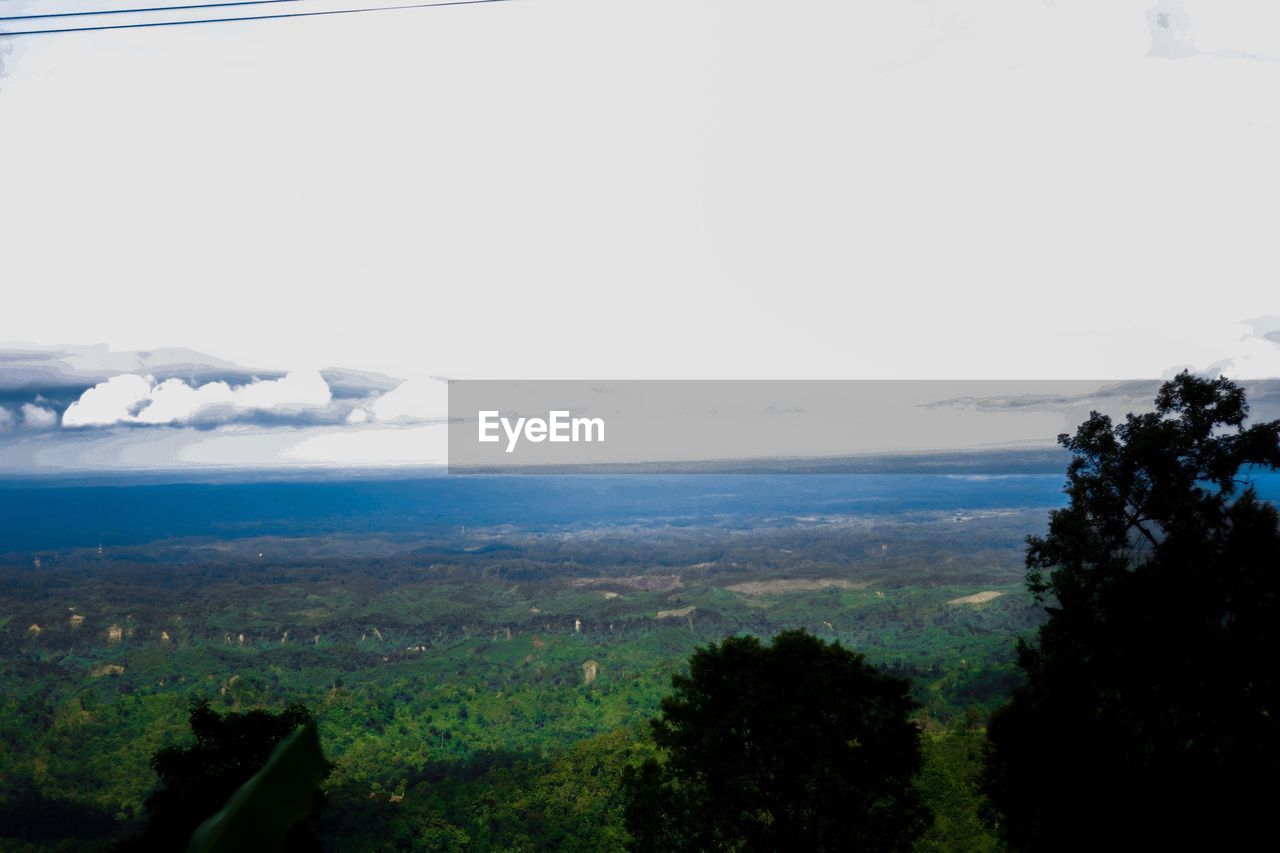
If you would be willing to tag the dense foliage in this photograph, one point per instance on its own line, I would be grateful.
(1151, 711)
(798, 745)
(450, 679)
(270, 810)
(196, 779)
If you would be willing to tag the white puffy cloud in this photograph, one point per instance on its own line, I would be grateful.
(174, 401)
(300, 389)
(413, 400)
(132, 399)
(108, 402)
(38, 417)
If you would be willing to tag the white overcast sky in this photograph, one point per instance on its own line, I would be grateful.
(655, 188)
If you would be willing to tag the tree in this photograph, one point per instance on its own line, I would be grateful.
(262, 812)
(1149, 712)
(795, 745)
(197, 780)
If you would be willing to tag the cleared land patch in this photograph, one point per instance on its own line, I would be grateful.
(643, 583)
(775, 587)
(976, 598)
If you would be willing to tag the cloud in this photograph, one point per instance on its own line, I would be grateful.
(109, 402)
(413, 400)
(1228, 34)
(295, 390)
(420, 444)
(1170, 30)
(133, 399)
(38, 417)
(1267, 328)
(6, 419)
(27, 365)
(1253, 354)
(174, 401)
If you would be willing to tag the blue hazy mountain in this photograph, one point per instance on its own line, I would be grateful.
(60, 515)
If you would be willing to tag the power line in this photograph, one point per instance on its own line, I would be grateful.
(243, 18)
(139, 11)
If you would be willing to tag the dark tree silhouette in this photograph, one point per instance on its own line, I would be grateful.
(197, 780)
(798, 745)
(27, 815)
(1149, 713)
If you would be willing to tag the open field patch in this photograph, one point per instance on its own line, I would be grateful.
(785, 585)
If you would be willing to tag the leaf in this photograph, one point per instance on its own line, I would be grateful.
(262, 810)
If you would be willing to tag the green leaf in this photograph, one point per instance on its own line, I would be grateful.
(261, 811)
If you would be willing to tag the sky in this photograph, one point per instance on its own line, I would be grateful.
(649, 189)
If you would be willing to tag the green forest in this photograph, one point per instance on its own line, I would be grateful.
(506, 689)
(474, 702)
